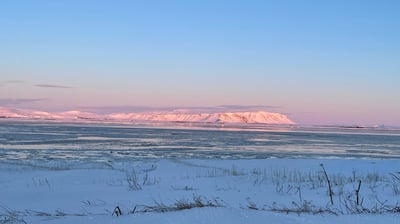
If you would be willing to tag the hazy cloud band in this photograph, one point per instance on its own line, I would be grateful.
(53, 86)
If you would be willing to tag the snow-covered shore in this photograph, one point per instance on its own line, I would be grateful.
(220, 191)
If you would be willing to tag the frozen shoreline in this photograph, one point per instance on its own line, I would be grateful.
(246, 190)
(79, 173)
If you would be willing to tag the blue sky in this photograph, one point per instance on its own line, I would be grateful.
(317, 61)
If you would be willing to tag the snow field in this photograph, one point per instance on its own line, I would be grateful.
(227, 191)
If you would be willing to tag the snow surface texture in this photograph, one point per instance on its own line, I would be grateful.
(259, 117)
(282, 191)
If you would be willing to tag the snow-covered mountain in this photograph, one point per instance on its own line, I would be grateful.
(42, 115)
(227, 117)
(11, 113)
(254, 117)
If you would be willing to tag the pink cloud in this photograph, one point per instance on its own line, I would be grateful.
(53, 86)
(12, 101)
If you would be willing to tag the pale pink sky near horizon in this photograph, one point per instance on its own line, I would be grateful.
(57, 97)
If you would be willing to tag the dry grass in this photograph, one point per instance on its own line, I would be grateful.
(182, 204)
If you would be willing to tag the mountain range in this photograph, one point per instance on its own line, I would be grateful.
(252, 117)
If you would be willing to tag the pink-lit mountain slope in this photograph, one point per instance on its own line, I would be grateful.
(227, 117)
(42, 115)
(253, 117)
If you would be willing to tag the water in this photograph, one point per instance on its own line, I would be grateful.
(44, 142)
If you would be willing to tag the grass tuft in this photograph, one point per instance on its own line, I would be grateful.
(182, 204)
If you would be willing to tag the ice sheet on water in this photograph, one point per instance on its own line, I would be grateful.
(91, 143)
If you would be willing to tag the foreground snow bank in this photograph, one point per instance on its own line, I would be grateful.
(202, 191)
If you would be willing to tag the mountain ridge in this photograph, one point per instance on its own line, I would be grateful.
(248, 117)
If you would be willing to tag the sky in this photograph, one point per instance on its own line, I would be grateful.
(319, 62)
